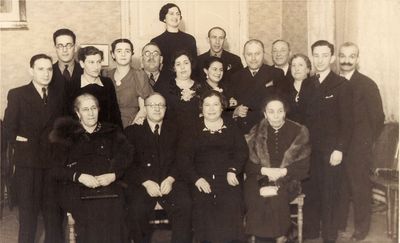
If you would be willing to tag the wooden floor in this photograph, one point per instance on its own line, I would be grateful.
(9, 231)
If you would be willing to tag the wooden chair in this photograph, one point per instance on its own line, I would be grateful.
(159, 217)
(71, 229)
(385, 174)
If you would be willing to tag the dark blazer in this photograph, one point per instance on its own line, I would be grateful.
(251, 91)
(75, 77)
(328, 113)
(164, 77)
(368, 115)
(147, 165)
(232, 64)
(27, 116)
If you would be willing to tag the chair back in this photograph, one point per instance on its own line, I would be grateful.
(385, 151)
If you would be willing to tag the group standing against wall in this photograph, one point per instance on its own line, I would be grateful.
(214, 143)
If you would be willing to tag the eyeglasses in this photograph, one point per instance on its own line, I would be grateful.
(61, 46)
(149, 53)
(153, 106)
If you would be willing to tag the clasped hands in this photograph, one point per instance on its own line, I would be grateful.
(155, 190)
(96, 181)
(203, 186)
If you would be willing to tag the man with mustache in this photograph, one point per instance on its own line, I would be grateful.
(368, 121)
(216, 39)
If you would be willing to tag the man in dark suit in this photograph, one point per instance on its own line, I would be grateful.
(154, 178)
(368, 119)
(28, 119)
(66, 69)
(329, 120)
(232, 62)
(153, 72)
(251, 85)
(281, 55)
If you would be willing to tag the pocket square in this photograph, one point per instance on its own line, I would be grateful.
(270, 83)
(21, 139)
(328, 96)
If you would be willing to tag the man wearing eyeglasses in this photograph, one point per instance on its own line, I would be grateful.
(152, 60)
(66, 69)
(154, 177)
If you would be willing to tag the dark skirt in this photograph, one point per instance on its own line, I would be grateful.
(218, 216)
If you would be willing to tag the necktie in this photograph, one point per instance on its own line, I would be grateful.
(152, 80)
(157, 132)
(66, 74)
(44, 91)
(316, 80)
(254, 73)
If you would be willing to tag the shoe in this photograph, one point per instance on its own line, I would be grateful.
(359, 236)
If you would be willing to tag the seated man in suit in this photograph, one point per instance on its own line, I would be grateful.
(28, 119)
(251, 85)
(152, 61)
(232, 62)
(154, 178)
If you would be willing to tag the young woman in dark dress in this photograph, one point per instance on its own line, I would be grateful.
(182, 92)
(210, 155)
(300, 67)
(279, 154)
(173, 40)
(92, 156)
(100, 87)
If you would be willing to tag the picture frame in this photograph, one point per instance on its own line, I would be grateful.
(13, 14)
(102, 47)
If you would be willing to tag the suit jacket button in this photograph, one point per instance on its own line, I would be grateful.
(148, 164)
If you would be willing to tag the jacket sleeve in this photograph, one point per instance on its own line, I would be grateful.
(241, 150)
(186, 156)
(345, 117)
(374, 108)
(11, 116)
(122, 154)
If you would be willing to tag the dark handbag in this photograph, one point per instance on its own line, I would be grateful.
(102, 192)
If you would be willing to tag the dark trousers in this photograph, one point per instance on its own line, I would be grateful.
(357, 188)
(177, 204)
(323, 192)
(36, 192)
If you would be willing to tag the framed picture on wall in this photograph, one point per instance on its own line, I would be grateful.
(102, 47)
(13, 14)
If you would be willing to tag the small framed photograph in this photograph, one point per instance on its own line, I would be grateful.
(13, 14)
(102, 47)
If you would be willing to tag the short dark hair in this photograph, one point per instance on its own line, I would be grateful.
(280, 40)
(37, 57)
(323, 43)
(305, 58)
(60, 32)
(164, 10)
(88, 51)
(152, 44)
(210, 93)
(216, 28)
(121, 40)
(275, 97)
(182, 52)
(210, 60)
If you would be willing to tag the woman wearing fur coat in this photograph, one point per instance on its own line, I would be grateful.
(279, 154)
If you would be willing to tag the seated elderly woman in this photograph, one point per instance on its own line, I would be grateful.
(92, 157)
(279, 154)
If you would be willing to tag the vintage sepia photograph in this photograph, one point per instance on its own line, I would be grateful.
(224, 121)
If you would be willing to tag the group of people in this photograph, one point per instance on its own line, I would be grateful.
(221, 147)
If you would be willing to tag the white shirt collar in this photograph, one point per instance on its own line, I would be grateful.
(348, 75)
(153, 126)
(85, 82)
(323, 75)
(284, 68)
(39, 89)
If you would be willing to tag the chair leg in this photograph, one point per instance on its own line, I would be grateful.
(395, 214)
(300, 222)
(389, 211)
(71, 229)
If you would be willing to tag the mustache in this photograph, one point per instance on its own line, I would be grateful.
(346, 64)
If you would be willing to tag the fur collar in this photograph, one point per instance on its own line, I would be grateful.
(66, 131)
(258, 148)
